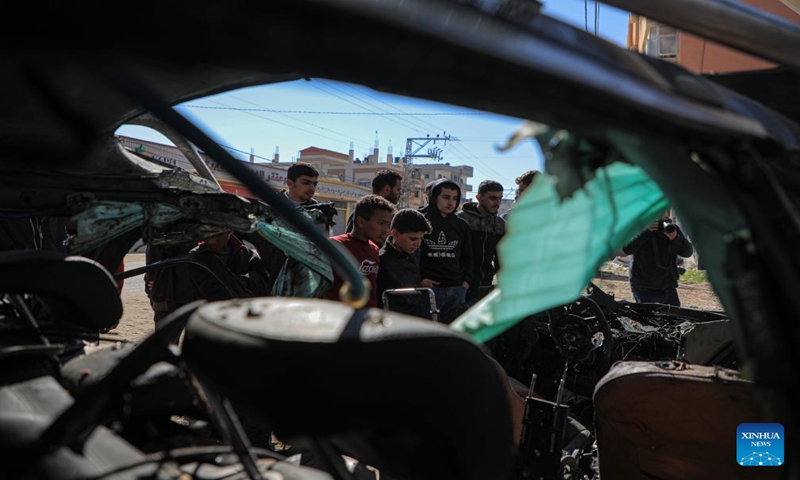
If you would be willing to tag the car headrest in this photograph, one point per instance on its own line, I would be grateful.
(75, 290)
(405, 395)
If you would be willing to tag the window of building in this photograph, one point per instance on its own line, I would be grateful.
(662, 41)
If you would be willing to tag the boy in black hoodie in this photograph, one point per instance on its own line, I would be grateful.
(446, 262)
(400, 256)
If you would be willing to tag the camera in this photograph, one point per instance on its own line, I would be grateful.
(665, 225)
(670, 228)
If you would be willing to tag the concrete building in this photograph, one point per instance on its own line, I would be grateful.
(357, 171)
(699, 55)
(350, 169)
(344, 178)
(460, 174)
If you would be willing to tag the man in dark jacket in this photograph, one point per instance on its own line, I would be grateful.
(399, 267)
(167, 288)
(238, 269)
(486, 229)
(654, 272)
(446, 261)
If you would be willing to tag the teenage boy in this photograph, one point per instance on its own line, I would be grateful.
(301, 183)
(373, 216)
(486, 228)
(387, 184)
(400, 256)
(446, 258)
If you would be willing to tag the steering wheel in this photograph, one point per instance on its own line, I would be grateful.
(582, 335)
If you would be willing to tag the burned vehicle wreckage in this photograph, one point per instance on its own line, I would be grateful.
(531, 382)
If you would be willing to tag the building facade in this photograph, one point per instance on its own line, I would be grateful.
(697, 54)
(344, 179)
(356, 171)
(330, 188)
(428, 172)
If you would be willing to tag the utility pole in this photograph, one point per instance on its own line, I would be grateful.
(411, 175)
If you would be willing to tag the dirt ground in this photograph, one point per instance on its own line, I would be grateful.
(137, 317)
(614, 279)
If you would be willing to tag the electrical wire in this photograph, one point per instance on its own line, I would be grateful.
(284, 124)
(334, 112)
(349, 137)
(404, 123)
(466, 154)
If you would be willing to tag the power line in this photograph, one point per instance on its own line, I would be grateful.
(435, 127)
(284, 124)
(330, 112)
(389, 117)
(586, 15)
(471, 156)
(468, 155)
(349, 137)
(596, 16)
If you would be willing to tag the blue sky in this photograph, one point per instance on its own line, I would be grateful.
(328, 114)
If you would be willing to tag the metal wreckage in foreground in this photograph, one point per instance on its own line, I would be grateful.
(538, 380)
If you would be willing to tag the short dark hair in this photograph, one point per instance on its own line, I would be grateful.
(385, 178)
(489, 186)
(299, 169)
(411, 220)
(526, 178)
(367, 206)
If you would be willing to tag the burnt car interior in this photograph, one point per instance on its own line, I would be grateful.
(596, 387)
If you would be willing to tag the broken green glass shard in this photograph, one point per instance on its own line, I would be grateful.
(553, 248)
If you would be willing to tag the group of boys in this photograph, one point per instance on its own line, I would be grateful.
(452, 252)
(439, 247)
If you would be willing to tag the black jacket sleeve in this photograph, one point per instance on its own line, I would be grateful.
(681, 245)
(466, 254)
(638, 242)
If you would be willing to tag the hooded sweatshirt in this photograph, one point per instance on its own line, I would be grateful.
(446, 251)
(486, 231)
(399, 270)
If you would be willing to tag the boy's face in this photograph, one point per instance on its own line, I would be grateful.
(407, 242)
(303, 188)
(377, 227)
(446, 201)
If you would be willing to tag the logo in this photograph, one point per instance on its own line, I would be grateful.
(368, 267)
(441, 248)
(759, 445)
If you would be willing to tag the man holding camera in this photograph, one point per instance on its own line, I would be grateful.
(654, 270)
